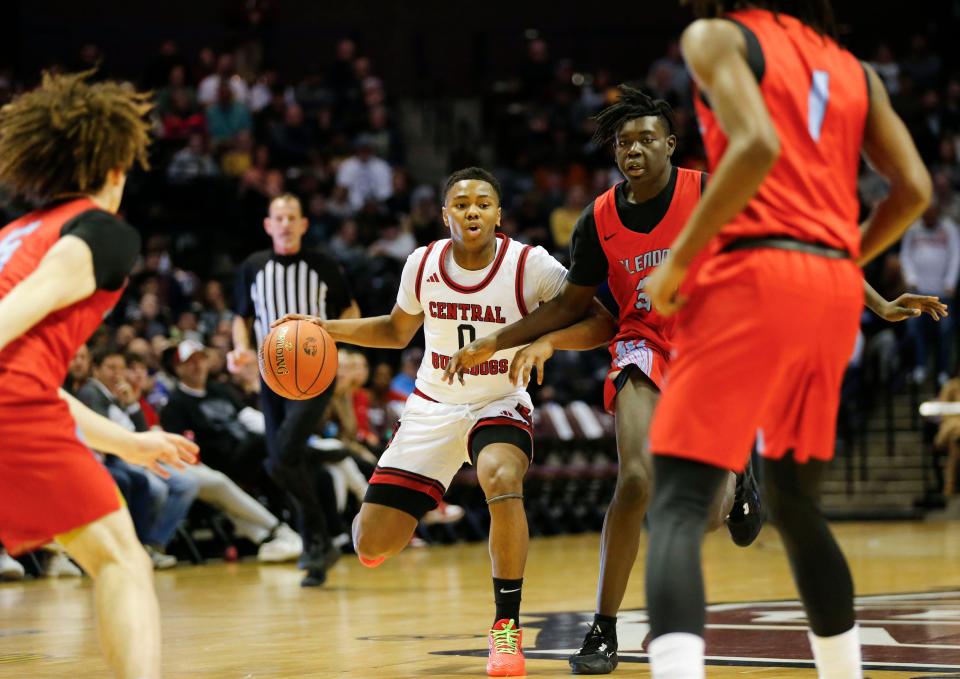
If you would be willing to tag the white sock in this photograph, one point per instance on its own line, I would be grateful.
(838, 657)
(677, 655)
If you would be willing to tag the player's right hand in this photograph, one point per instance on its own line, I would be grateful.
(532, 356)
(316, 320)
(153, 448)
(909, 305)
(473, 354)
(238, 359)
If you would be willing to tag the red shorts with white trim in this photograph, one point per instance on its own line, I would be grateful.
(434, 440)
(647, 356)
(50, 482)
(760, 351)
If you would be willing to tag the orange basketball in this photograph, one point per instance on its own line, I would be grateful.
(298, 360)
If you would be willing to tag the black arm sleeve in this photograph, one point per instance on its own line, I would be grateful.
(114, 244)
(588, 263)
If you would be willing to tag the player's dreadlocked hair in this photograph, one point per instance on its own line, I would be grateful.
(472, 173)
(632, 103)
(67, 134)
(817, 14)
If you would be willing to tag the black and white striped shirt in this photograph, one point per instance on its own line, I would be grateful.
(270, 286)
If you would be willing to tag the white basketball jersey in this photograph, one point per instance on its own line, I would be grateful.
(455, 315)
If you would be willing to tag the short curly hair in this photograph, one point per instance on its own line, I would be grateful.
(67, 134)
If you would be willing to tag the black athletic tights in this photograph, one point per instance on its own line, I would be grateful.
(682, 493)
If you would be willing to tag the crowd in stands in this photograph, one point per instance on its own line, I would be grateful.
(232, 133)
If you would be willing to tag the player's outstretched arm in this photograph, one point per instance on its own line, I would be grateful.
(595, 330)
(905, 306)
(715, 52)
(572, 304)
(888, 146)
(65, 275)
(383, 332)
(147, 449)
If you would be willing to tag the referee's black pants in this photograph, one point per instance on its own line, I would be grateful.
(288, 426)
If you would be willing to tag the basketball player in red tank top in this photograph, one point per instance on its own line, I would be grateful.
(768, 323)
(62, 268)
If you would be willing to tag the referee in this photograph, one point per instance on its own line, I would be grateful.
(271, 283)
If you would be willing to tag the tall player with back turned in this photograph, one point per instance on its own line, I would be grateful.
(460, 289)
(621, 237)
(769, 323)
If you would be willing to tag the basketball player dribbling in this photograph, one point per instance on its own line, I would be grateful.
(68, 144)
(768, 323)
(460, 289)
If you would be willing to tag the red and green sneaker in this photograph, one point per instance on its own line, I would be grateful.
(506, 650)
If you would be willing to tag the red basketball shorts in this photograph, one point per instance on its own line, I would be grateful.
(643, 353)
(759, 354)
(50, 482)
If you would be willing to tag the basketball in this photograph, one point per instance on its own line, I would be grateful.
(298, 360)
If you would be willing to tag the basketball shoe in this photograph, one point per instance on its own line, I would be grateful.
(506, 650)
(746, 515)
(598, 655)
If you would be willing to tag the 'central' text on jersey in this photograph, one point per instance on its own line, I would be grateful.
(474, 313)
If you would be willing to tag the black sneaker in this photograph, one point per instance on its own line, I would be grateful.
(315, 577)
(598, 655)
(315, 555)
(746, 515)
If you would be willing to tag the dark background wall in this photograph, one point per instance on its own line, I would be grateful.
(418, 46)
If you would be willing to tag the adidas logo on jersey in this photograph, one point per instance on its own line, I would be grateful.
(434, 278)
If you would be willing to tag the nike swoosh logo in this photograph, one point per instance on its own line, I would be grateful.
(610, 236)
(509, 591)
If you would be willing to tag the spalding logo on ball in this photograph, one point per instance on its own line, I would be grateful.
(298, 360)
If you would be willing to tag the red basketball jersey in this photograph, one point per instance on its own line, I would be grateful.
(817, 96)
(632, 257)
(40, 356)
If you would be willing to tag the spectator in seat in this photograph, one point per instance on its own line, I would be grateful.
(227, 117)
(141, 384)
(930, 259)
(210, 87)
(192, 162)
(948, 437)
(156, 505)
(182, 118)
(405, 381)
(79, 371)
(209, 412)
(563, 218)
(364, 175)
(290, 142)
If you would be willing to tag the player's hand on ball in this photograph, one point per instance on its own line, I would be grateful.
(155, 447)
(473, 354)
(316, 320)
(909, 305)
(663, 287)
(531, 356)
(238, 359)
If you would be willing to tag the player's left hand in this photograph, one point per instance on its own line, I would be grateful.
(532, 356)
(909, 305)
(155, 447)
(473, 354)
(663, 287)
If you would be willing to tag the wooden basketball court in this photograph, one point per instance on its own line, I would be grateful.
(425, 613)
